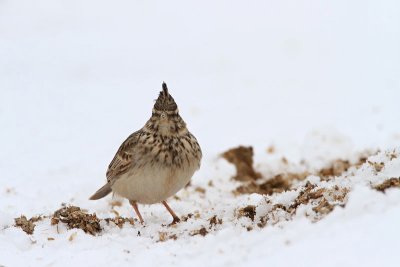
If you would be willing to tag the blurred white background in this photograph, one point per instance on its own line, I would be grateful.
(77, 77)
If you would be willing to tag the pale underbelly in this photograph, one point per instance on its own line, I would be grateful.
(152, 185)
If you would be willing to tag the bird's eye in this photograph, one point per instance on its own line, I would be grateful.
(163, 116)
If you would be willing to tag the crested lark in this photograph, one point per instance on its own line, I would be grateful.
(155, 162)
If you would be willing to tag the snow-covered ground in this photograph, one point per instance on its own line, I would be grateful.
(317, 80)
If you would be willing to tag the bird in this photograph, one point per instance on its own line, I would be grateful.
(155, 162)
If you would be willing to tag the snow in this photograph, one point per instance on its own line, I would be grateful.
(318, 81)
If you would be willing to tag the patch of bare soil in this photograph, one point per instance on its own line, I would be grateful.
(276, 184)
(120, 221)
(389, 183)
(28, 226)
(214, 221)
(242, 158)
(306, 195)
(202, 231)
(164, 236)
(339, 166)
(74, 217)
(248, 211)
(323, 201)
(324, 207)
(320, 195)
(336, 168)
(185, 218)
(378, 166)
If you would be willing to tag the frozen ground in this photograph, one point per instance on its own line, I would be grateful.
(317, 80)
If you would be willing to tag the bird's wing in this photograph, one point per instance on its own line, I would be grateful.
(123, 159)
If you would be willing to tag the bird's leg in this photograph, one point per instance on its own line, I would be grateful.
(176, 218)
(135, 207)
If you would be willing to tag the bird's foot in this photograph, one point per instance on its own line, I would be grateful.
(174, 221)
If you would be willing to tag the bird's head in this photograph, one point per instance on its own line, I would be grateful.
(165, 115)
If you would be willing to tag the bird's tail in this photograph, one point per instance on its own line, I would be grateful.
(102, 192)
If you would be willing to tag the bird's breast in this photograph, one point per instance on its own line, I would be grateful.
(169, 151)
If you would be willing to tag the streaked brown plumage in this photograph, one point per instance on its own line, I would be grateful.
(155, 162)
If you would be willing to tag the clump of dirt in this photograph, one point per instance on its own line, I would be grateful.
(185, 218)
(74, 217)
(164, 236)
(214, 221)
(276, 184)
(306, 195)
(339, 166)
(200, 190)
(392, 155)
(248, 211)
(378, 166)
(202, 231)
(338, 194)
(263, 222)
(335, 169)
(324, 207)
(392, 182)
(311, 193)
(120, 221)
(28, 226)
(242, 158)
(323, 201)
